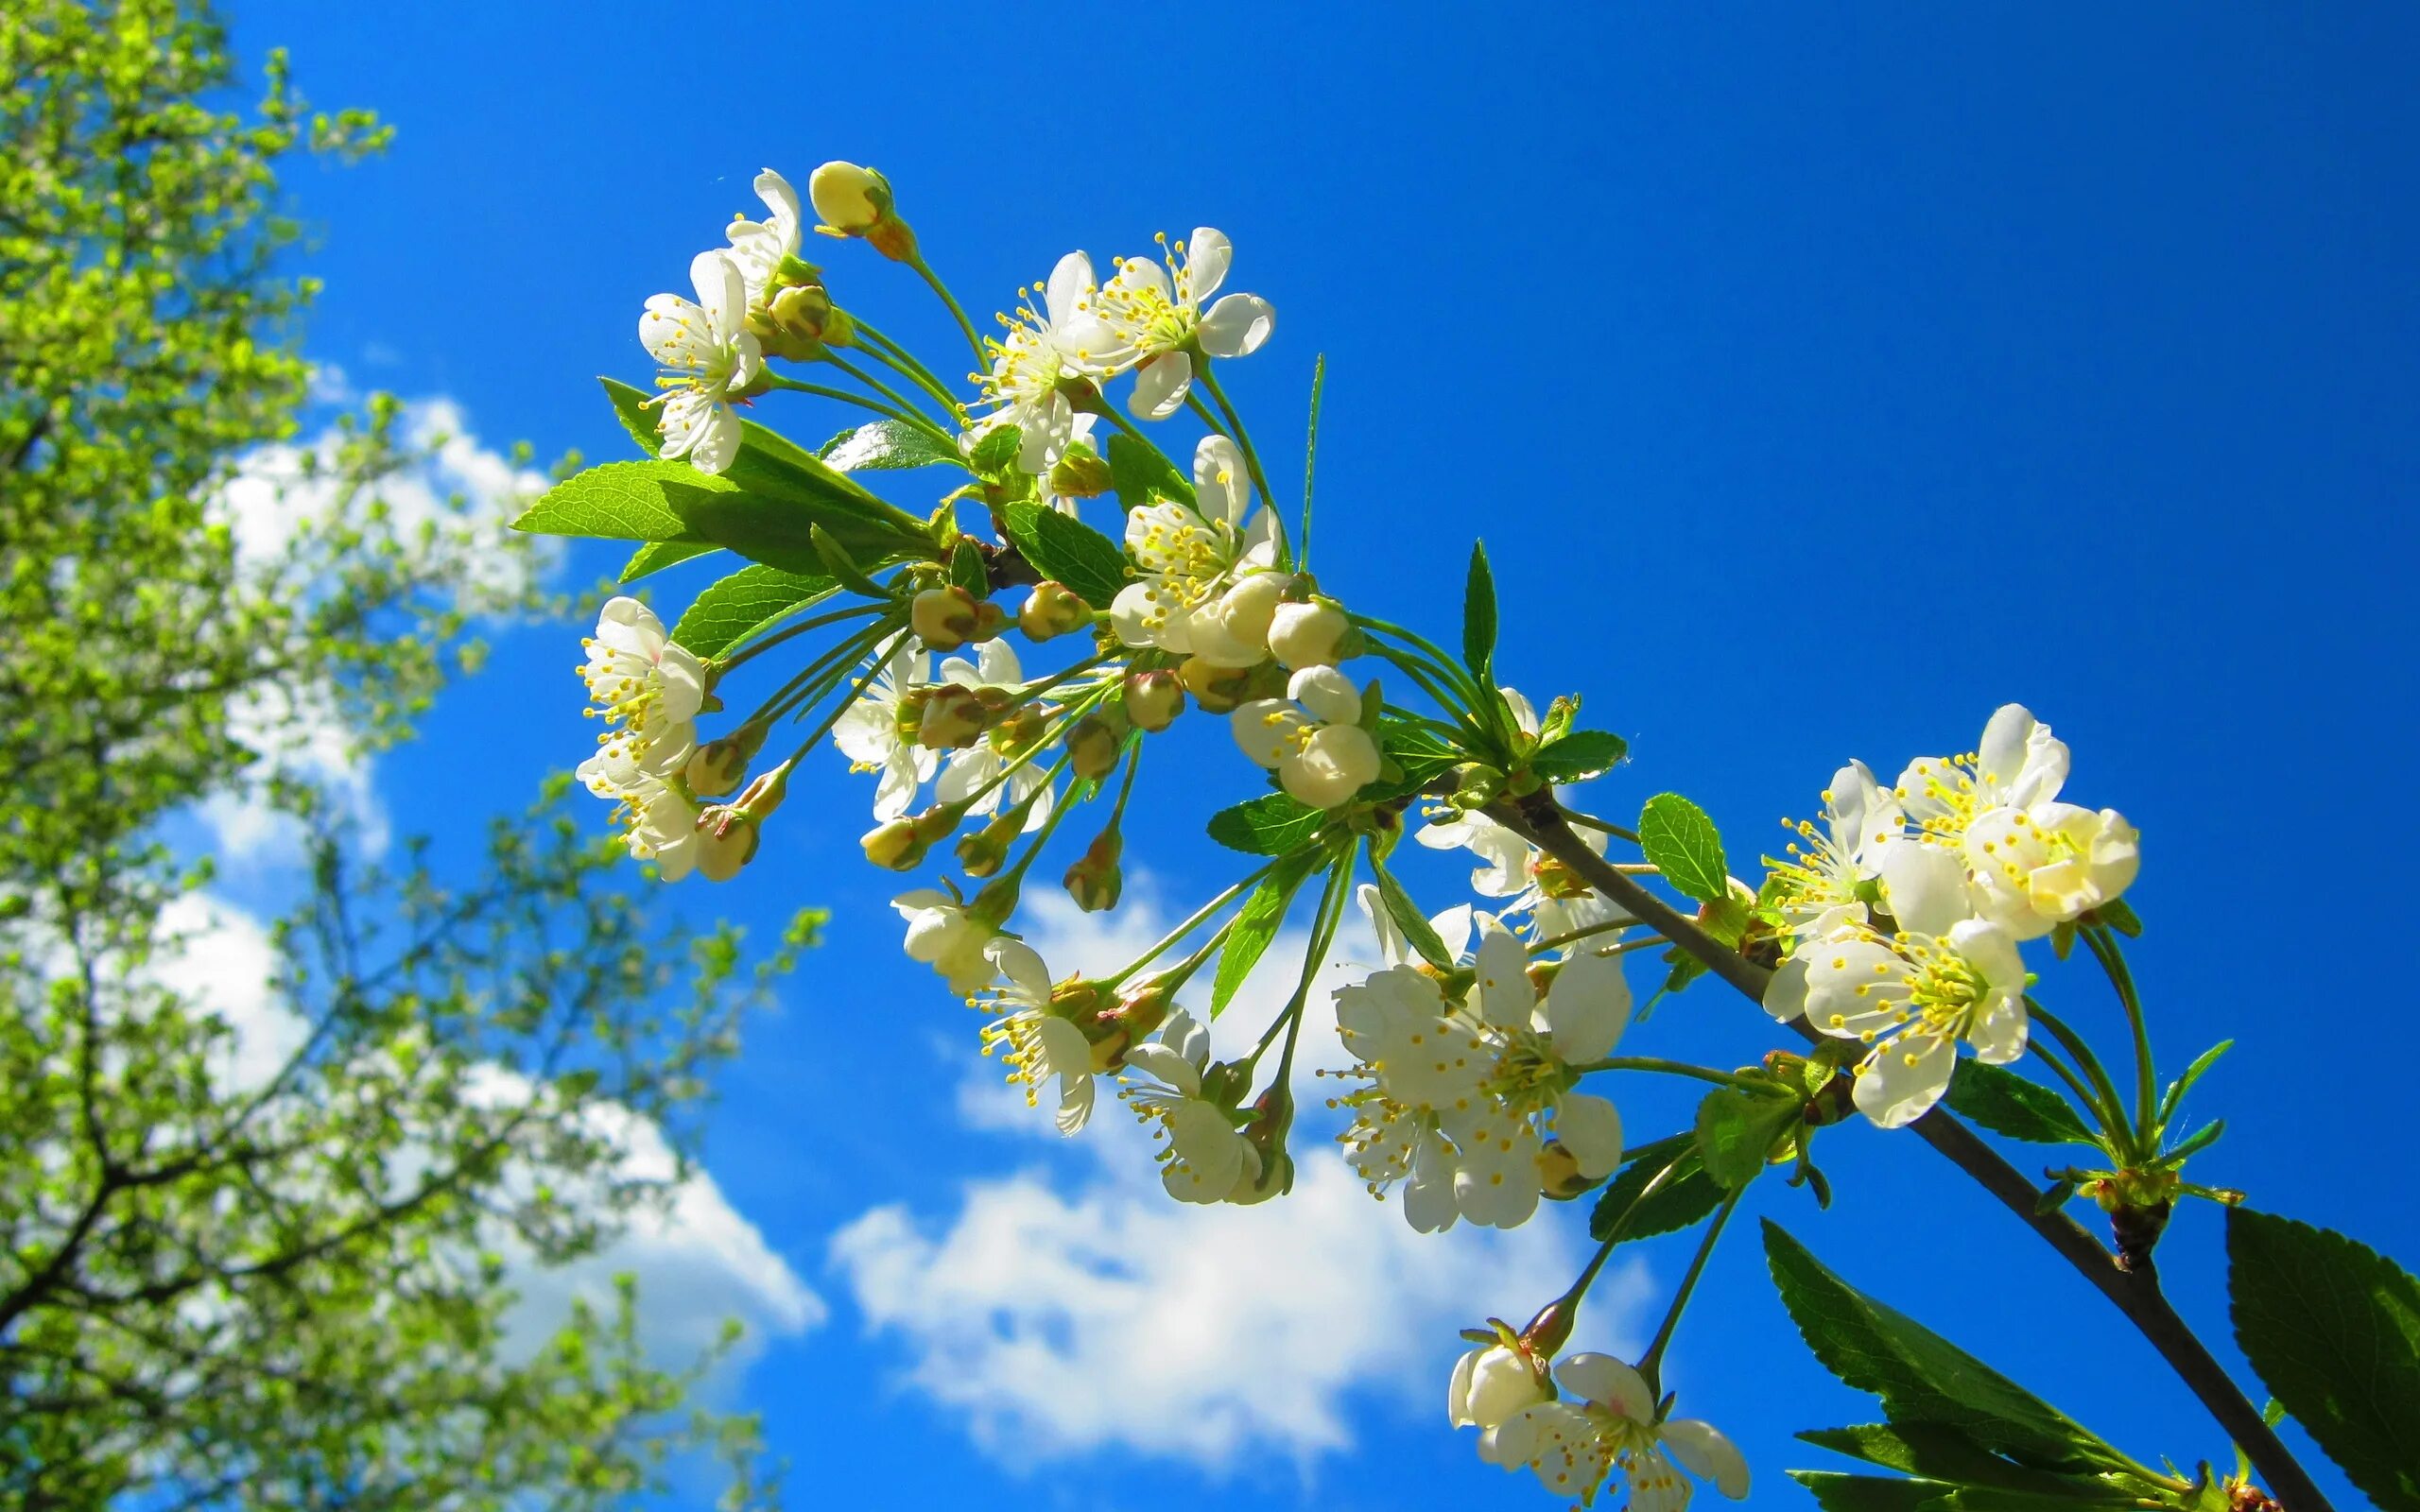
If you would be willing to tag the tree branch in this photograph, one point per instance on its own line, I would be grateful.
(2135, 1293)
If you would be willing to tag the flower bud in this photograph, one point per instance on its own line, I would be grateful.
(1246, 611)
(1559, 1176)
(944, 618)
(1476, 785)
(1093, 746)
(1080, 474)
(1145, 1005)
(1306, 635)
(940, 822)
(857, 201)
(989, 620)
(954, 716)
(805, 314)
(1218, 690)
(716, 768)
(1052, 609)
(987, 850)
(894, 845)
(1491, 1384)
(1153, 699)
(1095, 879)
(727, 843)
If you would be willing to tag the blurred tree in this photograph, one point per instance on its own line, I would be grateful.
(266, 1263)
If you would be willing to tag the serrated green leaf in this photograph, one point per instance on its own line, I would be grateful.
(631, 407)
(1256, 924)
(1920, 1376)
(1274, 824)
(1140, 476)
(885, 444)
(1735, 1131)
(998, 450)
(1063, 547)
(748, 602)
(1687, 1195)
(1835, 1492)
(2333, 1327)
(1579, 755)
(2006, 1102)
(1676, 836)
(622, 501)
(967, 569)
(1420, 756)
(1416, 929)
(1478, 613)
(780, 532)
(657, 555)
(1938, 1453)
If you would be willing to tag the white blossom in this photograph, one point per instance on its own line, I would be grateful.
(974, 766)
(1311, 738)
(708, 357)
(648, 691)
(1491, 1383)
(1201, 587)
(1022, 385)
(1572, 1445)
(1206, 1159)
(1149, 317)
(1862, 821)
(758, 248)
(943, 935)
(1038, 1044)
(869, 734)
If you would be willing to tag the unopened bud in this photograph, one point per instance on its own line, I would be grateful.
(954, 716)
(1218, 690)
(1559, 1176)
(1093, 748)
(716, 768)
(852, 200)
(1095, 879)
(1153, 699)
(1307, 635)
(1080, 473)
(944, 618)
(1052, 609)
(727, 842)
(806, 315)
(987, 850)
(894, 845)
(1548, 1333)
(989, 620)
(1145, 1005)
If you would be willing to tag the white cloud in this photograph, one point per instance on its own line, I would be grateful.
(223, 961)
(1060, 1318)
(275, 492)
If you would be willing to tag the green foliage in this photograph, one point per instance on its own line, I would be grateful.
(2006, 1102)
(1274, 824)
(1256, 924)
(657, 555)
(230, 1283)
(997, 453)
(745, 603)
(1735, 1131)
(1478, 615)
(1579, 755)
(1063, 547)
(1140, 476)
(1676, 836)
(1683, 1197)
(2333, 1327)
(621, 501)
(885, 444)
(1407, 918)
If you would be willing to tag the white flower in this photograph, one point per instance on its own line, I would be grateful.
(1452, 927)
(1206, 1159)
(1041, 1044)
(1148, 317)
(708, 357)
(2040, 867)
(1504, 857)
(1546, 1040)
(2017, 764)
(660, 824)
(758, 248)
(944, 937)
(1912, 997)
(1862, 821)
(1080, 433)
(646, 690)
(1311, 738)
(1201, 587)
(1528, 881)
(1573, 1446)
(1303, 635)
(869, 734)
(1491, 1383)
(971, 769)
(1021, 386)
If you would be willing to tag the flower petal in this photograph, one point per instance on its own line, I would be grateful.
(1238, 326)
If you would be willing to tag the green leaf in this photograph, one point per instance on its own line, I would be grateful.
(1274, 824)
(2177, 1089)
(1687, 1195)
(1420, 755)
(1257, 925)
(998, 450)
(2006, 1102)
(657, 555)
(1063, 547)
(1736, 1130)
(1140, 476)
(2195, 1143)
(2333, 1327)
(748, 602)
(630, 408)
(1941, 1454)
(886, 443)
(836, 561)
(1478, 613)
(1675, 835)
(1835, 1492)
(1579, 755)
(622, 501)
(2119, 914)
(780, 531)
(967, 569)
(1920, 1376)
(1407, 917)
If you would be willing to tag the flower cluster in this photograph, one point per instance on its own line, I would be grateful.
(1903, 911)
(1610, 1421)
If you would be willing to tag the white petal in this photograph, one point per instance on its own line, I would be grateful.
(1329, 695)
(1925, 888)
(1161, 384)
(1206, 257)
(1023, 966)
(1588, 1007)
(1267, 729)
(722, 292)
(1221, 488)
(1070, 280)
(1905, 1078)
(1166, 1064)
(1603, 1379)
(1505, 997)
(1591, 1128)
(1238, 326)
(1707, 1453)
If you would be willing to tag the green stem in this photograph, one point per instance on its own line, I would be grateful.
(2112, 962)
(2106, 1103)
(907, 418)
(1574, 936)
(877, 386)
(874, 670)
(1589, 821)
(1650, 1364)
(1453, 669)
(754, 648)
(899, 360)
(1192, 923)
(974, 342)
(1673, 1068)
(1331, 912)
(817, 677)
(1311, 457)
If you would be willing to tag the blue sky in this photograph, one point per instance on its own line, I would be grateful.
(1820, 378)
